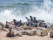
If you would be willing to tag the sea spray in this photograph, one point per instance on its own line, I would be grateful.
(7, 15)
(20, 11)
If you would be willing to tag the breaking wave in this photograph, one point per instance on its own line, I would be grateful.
(43, 11)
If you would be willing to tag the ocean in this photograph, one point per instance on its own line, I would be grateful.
(19, 9)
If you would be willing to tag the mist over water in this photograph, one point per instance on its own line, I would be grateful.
(40, 9)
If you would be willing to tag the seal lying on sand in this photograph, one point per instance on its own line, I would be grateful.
(32, 33)
(28, 32)
(41, 31)
(51, 34)
(10, 33)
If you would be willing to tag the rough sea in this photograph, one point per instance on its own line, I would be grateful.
(19, 9)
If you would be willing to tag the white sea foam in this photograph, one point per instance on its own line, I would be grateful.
(45, 12)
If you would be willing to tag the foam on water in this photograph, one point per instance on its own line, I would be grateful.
(44, 12)
(7, 15)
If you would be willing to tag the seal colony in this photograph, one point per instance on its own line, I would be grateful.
(31, 28)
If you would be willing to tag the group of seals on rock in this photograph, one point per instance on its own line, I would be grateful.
(32, 21)
(31, 27)
(17, 23)
(40, 31)
(35, 23)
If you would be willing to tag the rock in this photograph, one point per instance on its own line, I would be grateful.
(2, 24)
(26, 27)
(9, 24)
(5, 29)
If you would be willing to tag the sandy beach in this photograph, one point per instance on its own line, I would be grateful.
(24, 37)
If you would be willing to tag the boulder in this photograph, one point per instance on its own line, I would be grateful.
(2, 25)
(9, 24)
(5, 29)
(26, 27)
